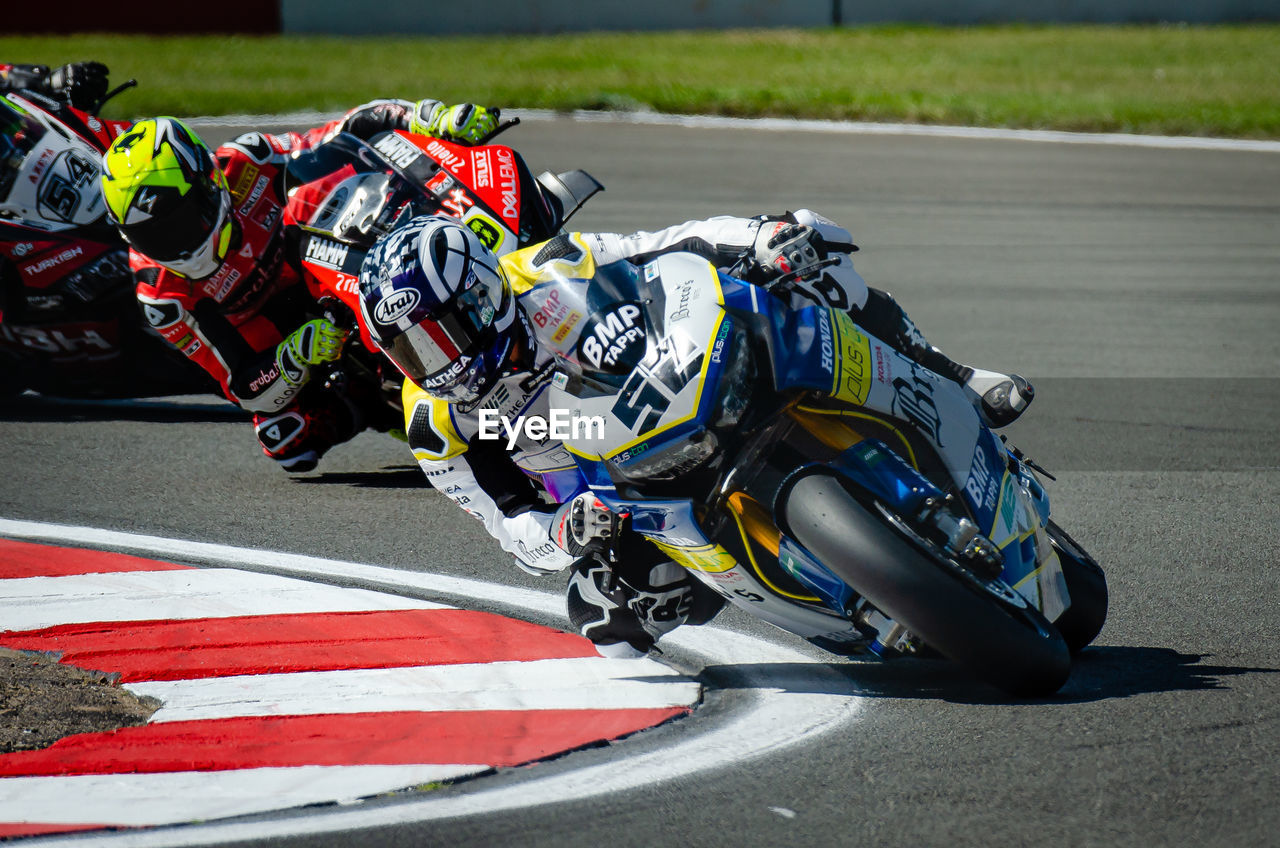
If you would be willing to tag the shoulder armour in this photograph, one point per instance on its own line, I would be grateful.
(429, 425)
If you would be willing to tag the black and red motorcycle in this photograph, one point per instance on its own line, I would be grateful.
(347, 192)
(69, 322)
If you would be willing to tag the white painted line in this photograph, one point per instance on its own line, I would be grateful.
(180, 550)
(195, 795)
(308, 119)
(791, 699)
(28, 603)
(580, 683)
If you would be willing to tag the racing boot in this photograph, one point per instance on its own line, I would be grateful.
(999, 398)
(624, 618)
(297, 438)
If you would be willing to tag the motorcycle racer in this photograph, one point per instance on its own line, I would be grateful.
(215, 259)
(450, 315)
(69, 323)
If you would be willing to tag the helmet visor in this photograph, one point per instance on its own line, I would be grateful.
(19, 133)
(184, 228)
(208, 258)
(436, 353)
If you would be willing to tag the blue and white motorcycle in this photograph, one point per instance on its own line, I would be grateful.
(814, 476)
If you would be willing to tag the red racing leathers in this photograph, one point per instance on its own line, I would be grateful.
(231, 322)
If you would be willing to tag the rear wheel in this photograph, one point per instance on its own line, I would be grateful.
(987, 628)
(1087, 588)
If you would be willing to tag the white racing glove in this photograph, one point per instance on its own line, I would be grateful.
(583, 524)
(789, 250)
(810, 258)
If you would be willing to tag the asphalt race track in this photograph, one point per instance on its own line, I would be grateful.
(1137, 288)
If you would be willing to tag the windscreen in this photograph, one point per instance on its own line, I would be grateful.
(19, 133)
(346, 189)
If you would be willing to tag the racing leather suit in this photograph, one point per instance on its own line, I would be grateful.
(493, 479)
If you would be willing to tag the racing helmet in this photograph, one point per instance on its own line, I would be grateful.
(437, 302)
(168, 198)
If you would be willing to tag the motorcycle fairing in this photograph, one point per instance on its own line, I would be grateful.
(817, 349)
(345, 193)
(684, 324)
(490, 171)
(897, 388)
(56, 186)
(672, 525)
(46, 262)
(661, 317)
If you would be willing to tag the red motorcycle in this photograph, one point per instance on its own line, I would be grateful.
(347, 192)
(69, 321)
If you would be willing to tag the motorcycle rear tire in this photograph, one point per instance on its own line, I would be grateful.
(1010, 646)
(1087, 588)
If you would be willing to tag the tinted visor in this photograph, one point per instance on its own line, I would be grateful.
(436, 353)
(183, 226)
(18, 135)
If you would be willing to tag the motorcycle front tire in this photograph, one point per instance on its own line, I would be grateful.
(1005, 642)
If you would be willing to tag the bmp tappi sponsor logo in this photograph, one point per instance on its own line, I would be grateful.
(615, 339)
(982, 484)
(561, 424)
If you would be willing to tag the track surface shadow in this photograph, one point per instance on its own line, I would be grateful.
(391, 477)
(202, 408)
(1097, 674)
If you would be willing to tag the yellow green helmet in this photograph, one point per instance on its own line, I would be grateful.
(167, 196)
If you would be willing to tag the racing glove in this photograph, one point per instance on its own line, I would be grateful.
(315, 342)
(466, 123)
(583, 524)
(82, 84)
(789, 250)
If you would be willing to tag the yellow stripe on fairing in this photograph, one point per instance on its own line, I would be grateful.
(742, 504)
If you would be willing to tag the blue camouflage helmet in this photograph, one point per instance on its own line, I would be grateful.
(436, 301)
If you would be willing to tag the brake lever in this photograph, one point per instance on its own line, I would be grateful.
(127, 84)
(803, 273)
(502, 127)
(337, 313)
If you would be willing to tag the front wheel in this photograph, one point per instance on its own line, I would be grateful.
(997, 636)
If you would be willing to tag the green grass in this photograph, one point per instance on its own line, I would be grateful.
(1222, 80)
